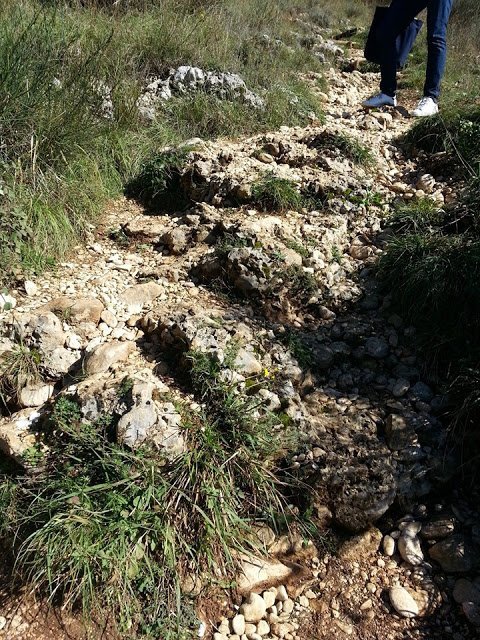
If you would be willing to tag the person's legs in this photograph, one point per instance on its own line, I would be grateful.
(437, 20)
(397, 19)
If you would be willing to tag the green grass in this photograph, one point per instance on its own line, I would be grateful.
(271, 193)
(454, 131)
(418, 216)
(18, 367)
(435, 281)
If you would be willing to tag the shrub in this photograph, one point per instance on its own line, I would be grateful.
(158, 183)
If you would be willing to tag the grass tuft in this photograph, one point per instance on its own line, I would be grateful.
(271, 193)
(349, 147)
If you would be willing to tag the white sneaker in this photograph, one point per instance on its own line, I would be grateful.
(425, 107)
(380, 100)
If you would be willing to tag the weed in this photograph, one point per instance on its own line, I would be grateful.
(271, 193)
(18, 367)
(300, 351)
(300, 283)
(349, 147)
(158, 183)
(300, 248)
(119, 237)
(368, 198)
(417, 216)
(336, 254)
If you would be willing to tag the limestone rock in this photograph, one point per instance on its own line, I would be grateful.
(238, 624)
(388, 545)
(35, 395)
(256, 573)
(263, 628)
(247, 363)
(75, 311)
(136, 297)
(176, 241)
(59, 362)
(17, 435)
(410, 548)
(403, 603)
(148, 228)
(254, 608)
(31, 288)
(106, 355)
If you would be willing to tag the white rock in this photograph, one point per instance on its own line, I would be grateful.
(269, 597)
(403, 603)
(238, 624)
(388, 545)
(263, 628)
(254, 608)
(282, 594)
(288, 606)
(73, 342)
(30, 287)
(410, 550)
(7, 302)
(35, 395)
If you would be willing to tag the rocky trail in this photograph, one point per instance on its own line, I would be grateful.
(296, 291)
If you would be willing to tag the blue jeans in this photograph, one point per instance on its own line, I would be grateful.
(401, 13)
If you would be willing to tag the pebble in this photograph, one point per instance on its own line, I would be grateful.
(388, 545)
(254, 608)
(238, 624)
(403, 603)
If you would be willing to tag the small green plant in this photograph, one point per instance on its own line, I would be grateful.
(271, 193)
(33, 456)
(18, 367)
(349, 147)
(301, 284)
(300, 248)
(119, 237)
(368, 199)
(300, 351)
(336, 254)
(158, 183)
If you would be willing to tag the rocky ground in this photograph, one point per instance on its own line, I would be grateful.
(296, 291)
